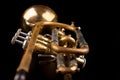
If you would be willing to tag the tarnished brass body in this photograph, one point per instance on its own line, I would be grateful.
(48, 36)
(26, 60)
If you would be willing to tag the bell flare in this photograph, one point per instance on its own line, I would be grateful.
(37, 13)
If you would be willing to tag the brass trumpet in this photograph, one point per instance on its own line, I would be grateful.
(45, 35)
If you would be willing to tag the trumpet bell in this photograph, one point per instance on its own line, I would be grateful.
(37, 13)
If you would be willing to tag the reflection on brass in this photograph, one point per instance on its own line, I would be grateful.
(68, 40)
(35, 14)
(60, 49)
(47, 36)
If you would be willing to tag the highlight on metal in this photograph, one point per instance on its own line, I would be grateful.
(43, 34)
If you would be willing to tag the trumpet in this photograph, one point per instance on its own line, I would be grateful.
(43, 34)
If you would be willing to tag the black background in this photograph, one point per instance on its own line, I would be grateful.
(98, 22)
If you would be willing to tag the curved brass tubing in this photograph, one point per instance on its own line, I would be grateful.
(67, 39)
(43, 49)
(82, 51)
(27, 57)
(55, 25)
(41, 37)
